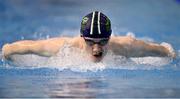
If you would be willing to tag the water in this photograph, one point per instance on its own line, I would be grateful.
(65, 75)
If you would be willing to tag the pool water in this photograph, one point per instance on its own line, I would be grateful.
(69, 74)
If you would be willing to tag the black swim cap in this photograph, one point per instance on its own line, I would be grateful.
(96, 25)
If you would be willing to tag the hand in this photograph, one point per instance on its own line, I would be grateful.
(170, 49)
(6, 51)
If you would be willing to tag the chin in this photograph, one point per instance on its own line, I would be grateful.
(96, 58)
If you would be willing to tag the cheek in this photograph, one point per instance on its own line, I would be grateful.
(89, 48)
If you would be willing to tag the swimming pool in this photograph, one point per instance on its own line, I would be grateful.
(69, 76)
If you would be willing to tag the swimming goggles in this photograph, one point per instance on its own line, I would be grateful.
(92, 41)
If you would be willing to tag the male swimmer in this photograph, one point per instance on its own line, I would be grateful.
(95, 39)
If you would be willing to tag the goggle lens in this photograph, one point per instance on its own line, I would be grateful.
(101, 42)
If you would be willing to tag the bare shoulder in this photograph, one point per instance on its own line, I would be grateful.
(77, 42)
(121, 45)
(122, 39)
(73, 41)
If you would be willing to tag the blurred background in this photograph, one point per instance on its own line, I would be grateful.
(70, 76)
(41, 19)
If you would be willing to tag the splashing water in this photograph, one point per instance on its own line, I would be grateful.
(77, 60)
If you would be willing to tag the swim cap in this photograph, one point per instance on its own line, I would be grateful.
(96, 25)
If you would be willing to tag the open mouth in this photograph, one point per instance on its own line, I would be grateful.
(99, 54)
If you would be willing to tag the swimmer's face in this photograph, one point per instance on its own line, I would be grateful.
(97, 47)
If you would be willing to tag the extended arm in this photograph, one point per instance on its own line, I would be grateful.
(132, 47)
(142, 48)
(41, 47)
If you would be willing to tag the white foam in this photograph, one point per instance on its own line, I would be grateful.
(131, 34)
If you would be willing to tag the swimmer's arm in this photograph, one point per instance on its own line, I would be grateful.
(152, 49)
(41, 47)
(138, 48)
(142, 48)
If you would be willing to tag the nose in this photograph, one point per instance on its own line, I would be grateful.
(97, 50)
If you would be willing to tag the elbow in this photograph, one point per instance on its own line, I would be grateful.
(6, 51)
(168, 49)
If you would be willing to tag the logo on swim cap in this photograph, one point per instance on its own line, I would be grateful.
(84, 20)
(96, 25)
(108, 25)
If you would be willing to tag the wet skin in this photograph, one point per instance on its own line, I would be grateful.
(96, 47)
(97, 52)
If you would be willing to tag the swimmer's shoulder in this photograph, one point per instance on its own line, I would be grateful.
(121, 39)
(77, 42)
(74, 41)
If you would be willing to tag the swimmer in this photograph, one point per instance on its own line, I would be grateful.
(95, 39)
